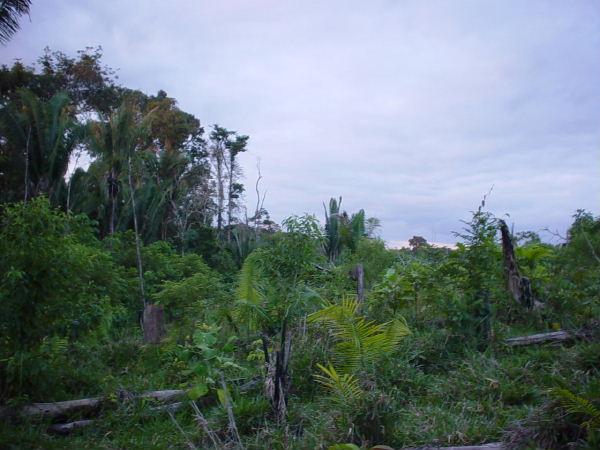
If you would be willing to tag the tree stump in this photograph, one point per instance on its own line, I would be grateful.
(154, 323)
(517, 285)
(358, 274)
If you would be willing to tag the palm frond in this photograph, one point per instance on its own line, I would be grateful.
(335, 311)
(344, 387)
(359, 342)
(250, 298)
(575, 404)
(10, 11)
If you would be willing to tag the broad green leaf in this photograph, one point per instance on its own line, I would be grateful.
(197, 391)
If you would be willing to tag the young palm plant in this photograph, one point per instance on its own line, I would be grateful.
(359, 342)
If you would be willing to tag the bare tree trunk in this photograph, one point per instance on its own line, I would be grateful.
(153, 320)
(27, 163)
(112, 198)
(517, 285)
(220, 190)
(278, 380)
(358, 273)
(229, 195)
(138, 250)
(153, 316)
(70, 181)
(259, 202)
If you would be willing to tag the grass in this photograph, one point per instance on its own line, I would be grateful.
(421, 395)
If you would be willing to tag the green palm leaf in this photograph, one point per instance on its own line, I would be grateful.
(344, 387)
(359, 342)
(575, 404)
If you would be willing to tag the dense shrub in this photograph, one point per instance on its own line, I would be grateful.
(57, 284)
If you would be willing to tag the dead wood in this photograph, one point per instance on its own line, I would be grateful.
(553, 336)
(153, 323)
(490, 446)
(84, 406)
(358, 274)
(63, 429)
(519, 286)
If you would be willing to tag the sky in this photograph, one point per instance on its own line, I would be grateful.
(411, 110)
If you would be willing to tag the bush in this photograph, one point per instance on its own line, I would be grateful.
(57, 284)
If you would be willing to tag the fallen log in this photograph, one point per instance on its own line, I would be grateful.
(55, 409)
(164, 396)
(52, 410)
(171, 407)
(553, 336)
(85, 405)
(490, 446)
(62, 429)
(590, 332)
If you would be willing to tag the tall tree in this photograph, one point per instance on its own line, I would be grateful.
(234, 187)
(341, 230)
(219, 140)
(107, 139)
(120, 141)
(177, 137)
(42, 134)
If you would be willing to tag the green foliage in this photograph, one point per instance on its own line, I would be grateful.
(39, 138)
(359, 342)
(9, 17)
(344, 388)
(250, 304)
(274, 281)
(342, 231)
(403, 286)
(54, 284)
(343, 447)
(206, 360)
(575, 404)
(374, 257)
(200, 297)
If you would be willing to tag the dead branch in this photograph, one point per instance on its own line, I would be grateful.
(490, 446)
(63, 429)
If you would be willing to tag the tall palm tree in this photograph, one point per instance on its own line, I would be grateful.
(106, 140)
(117, 142)
(163, 192)
(10, 11)
(47, 135)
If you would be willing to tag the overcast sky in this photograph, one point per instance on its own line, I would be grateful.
(411, 110)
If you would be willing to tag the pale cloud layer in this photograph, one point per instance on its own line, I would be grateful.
(411, 110)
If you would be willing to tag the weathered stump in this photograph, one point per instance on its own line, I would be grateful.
(519, 286)
(358, 273)
(153, 323)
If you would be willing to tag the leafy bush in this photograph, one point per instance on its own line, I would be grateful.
(57, 284)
